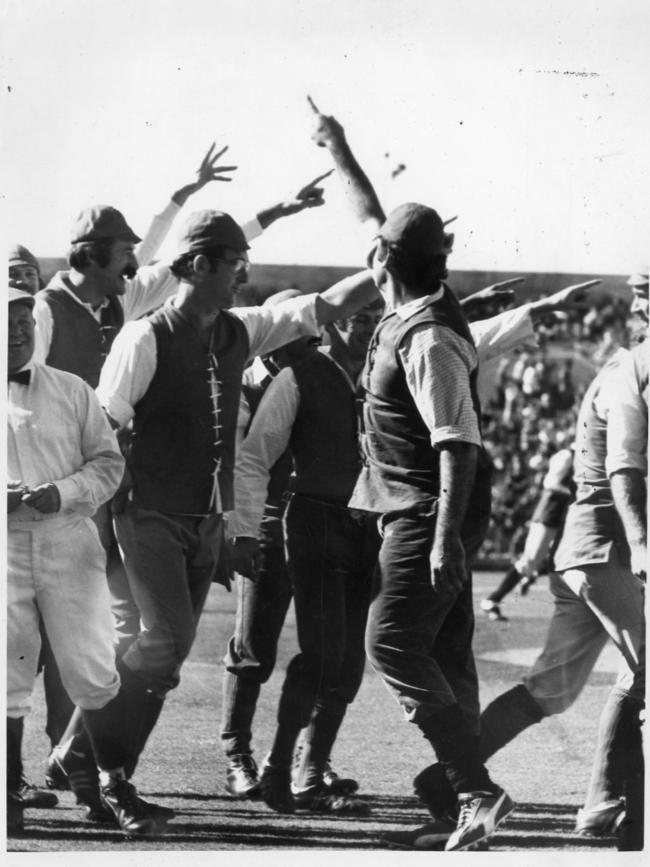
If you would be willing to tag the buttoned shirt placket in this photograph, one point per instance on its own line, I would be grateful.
(215, 386)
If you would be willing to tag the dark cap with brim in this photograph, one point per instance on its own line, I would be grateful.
(102, 222)
(19, 255)
(16, 295)
(417, 230)
(208, 230)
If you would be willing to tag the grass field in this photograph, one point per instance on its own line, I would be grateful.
(545, 770)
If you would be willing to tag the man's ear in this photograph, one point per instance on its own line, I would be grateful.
(201, 264)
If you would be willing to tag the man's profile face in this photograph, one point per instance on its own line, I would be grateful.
(24, 277)
(20, 333)
(122, 265)
(228, 272)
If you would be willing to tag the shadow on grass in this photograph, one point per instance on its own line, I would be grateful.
(251, 825)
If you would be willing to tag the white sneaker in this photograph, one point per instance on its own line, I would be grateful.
(480, 814)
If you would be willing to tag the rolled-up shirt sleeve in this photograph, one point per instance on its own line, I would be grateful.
(437, 363)
(627, 420)
(271, 327)
(128, 371)
(267, 439)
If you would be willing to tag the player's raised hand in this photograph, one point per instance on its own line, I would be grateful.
(207, 172)
(328, 132)
(311, 195)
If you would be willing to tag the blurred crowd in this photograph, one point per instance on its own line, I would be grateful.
(532, 412)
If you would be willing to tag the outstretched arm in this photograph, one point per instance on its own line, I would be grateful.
(571, 298)
(474, 305)
(309, 196)
(329, 133)
(346, 297)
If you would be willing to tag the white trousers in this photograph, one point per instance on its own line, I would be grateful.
(601, 601)
(58, 567)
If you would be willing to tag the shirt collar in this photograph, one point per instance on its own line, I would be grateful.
(66, 288)
(410, 308)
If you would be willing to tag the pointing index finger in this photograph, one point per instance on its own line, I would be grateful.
(320, 178)
(312, 105)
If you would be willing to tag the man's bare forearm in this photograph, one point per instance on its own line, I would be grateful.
(630, 498)
(457, 474)
(329, 134)
(346, 297)
(360, 192)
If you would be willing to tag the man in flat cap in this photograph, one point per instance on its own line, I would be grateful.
(427, 475)
(77, 318)
(175, 377)
(24, 270)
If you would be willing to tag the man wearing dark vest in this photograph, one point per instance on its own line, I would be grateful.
(262, 600)
(310, 409)
(176, 377)
(426, 474)
(78, 317)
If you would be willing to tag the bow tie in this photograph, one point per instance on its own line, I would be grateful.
(22, 377)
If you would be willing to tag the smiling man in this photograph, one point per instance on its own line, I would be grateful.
(176, 376)
(63, 462)
(24, 270)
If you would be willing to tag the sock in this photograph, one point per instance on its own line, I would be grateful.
(456, 750)
(321, 734)
(503, 719)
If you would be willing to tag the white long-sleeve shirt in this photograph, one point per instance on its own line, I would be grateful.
(57, 432)
(270, 430)
(131, 364)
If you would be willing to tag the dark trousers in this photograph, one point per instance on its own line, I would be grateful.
(420, 641)
(170, 561)
(331, 554)
(262, 607)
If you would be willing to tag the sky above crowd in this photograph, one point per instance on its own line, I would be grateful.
(528, 120)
